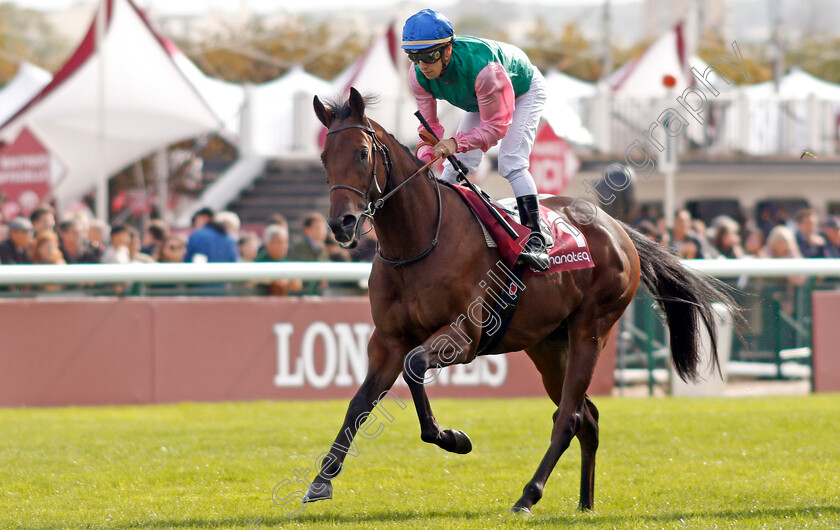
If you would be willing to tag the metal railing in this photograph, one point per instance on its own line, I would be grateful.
(249, 272)
(157, 273)
(778, 345)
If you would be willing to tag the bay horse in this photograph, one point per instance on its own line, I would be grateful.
(430, 267)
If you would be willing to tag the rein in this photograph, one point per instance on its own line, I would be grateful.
(375, 205)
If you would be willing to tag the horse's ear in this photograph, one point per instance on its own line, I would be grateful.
(324, 115)
(357, 102)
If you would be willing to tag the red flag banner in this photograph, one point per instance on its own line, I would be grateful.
(553, 161)
(26, 175)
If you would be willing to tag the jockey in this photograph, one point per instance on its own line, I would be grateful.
(503, 95)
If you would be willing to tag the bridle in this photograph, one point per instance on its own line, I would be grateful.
(378, 147)
(373, 205)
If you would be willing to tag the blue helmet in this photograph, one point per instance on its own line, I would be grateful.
(426, 29)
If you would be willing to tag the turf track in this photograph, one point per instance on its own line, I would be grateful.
(662, 463)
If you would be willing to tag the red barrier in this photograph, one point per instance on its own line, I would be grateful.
(91, 352)
(157, 350)
(826, 337)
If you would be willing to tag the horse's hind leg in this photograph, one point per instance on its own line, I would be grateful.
(587, 336)
(588, 437)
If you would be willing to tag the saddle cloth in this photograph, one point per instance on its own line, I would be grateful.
(570, 250)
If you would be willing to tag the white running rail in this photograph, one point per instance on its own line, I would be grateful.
(248, 272)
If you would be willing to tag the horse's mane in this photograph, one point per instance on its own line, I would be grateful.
(340, 106)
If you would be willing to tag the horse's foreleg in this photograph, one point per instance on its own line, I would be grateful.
(383, 368)
(439, 350)
(585, 345)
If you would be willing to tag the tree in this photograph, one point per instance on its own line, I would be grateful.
(26, 35)
(760, 69)
(569, 51)
(481, 26)
(256, 54)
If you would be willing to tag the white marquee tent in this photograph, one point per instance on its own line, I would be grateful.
(801, 115)
(96, 124)
(280, 118)
(565, 103)
(797, 84)
(639, 94)
(224, 98)
(567, 87)
(28, 81)
(643, 76)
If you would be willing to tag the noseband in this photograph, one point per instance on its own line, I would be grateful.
(374, 205)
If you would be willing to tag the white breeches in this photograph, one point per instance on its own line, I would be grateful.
(515, 147)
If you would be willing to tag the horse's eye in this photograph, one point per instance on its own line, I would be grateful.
(363, 154)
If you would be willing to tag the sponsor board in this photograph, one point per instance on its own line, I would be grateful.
(336, 355)
(153, 350)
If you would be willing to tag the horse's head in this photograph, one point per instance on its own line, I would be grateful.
(350, 160)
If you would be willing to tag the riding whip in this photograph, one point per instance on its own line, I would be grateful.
(463, 178)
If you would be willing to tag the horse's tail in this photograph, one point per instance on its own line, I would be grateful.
(686, 299)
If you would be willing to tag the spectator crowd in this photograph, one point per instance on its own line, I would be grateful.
(217, 237)
(214, 237)
(773, 236)
(804, 236)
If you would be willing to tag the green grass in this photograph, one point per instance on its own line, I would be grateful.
(662, 463)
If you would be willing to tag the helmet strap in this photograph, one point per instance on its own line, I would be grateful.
(445, 64)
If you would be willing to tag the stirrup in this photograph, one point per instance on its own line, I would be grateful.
(536, 258)
(545, 233)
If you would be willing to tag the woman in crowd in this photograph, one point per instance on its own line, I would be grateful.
(727, 240)
(172, 250)
(249, 246)
(45, 251)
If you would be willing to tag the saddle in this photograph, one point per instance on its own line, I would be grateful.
(567, 250)
(567, 247)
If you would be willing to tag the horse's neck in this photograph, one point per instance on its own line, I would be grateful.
(406, 224)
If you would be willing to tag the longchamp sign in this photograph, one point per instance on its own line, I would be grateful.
(341, 351)
(156, 350)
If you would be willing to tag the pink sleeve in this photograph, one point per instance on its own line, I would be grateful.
(427, 106)
(494, 91)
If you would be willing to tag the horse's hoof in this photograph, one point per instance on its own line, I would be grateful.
(318, 492)
(463, 444)
(520, 510)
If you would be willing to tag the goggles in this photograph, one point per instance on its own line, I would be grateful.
(427, 56)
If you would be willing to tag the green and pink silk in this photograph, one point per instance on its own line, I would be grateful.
(482, 76)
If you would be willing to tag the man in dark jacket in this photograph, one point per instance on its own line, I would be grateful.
(831, 233)
(74, 246)
(312, 247)
(15, 250)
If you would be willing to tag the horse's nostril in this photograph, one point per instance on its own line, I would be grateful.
(343, 227)
(334, 224)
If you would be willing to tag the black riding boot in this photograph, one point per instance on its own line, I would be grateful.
(534, 254)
